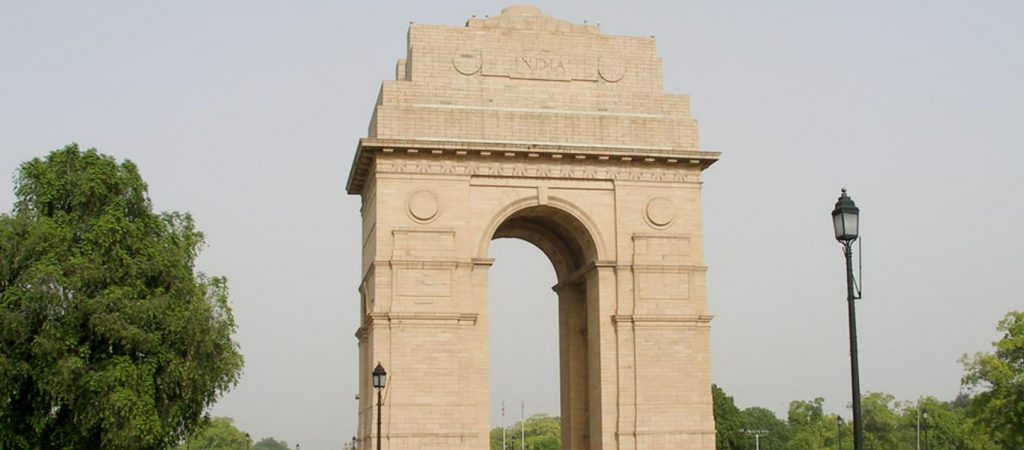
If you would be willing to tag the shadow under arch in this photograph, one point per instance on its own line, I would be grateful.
(561, 230)
(570, 239)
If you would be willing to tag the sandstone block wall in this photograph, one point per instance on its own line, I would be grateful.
(525, 126)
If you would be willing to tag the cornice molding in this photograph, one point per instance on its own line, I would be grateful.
(524, 160)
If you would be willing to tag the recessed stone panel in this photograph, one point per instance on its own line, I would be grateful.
(663, 285)
(656, 249)
(423, 244)
(423, 285)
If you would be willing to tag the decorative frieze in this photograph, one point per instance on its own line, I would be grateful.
(536, 169)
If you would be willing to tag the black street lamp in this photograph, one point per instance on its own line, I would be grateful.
(380, 378)
(845, 219)
(839, 432)
(925, 423)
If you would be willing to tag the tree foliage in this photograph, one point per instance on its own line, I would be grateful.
(218, 433)
(270, 443)
(996, 381)
(882, 425)
(888, 424)
(810, 428)
(110, 339)
(542, 431)
(946, 425)
(987, 415)
(762, 419)
(727, 420)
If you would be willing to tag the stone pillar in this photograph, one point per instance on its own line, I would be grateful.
(425, 320)
(572, 336)
(601, 306)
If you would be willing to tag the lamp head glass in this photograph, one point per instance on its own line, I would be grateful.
(845, 219)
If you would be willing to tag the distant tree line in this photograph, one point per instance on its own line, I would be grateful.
(542, 432)
(987, 415)
(220, 433)
(888, 425)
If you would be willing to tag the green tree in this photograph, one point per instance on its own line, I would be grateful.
(945, 426)
(542, 431)
(270, 443)
(110, 339)
(727, 420)
(809, 427)
(882, 425)
(996, 381)
(762, 419)
(218, 433)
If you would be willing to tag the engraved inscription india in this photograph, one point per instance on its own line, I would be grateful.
(538, 65)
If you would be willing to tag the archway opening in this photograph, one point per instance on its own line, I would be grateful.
(570, 249)
(523, 366)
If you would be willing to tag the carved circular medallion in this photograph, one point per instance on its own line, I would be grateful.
(611, 70)
(466, 61)
(423, 206)
(659, 212)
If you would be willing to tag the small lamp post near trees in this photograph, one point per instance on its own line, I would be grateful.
(846, 221)
(839, 432)
(380, 377)
(924, 416)
(757, 436)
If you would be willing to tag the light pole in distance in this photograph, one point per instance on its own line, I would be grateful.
(839, 432)
(757, 436)
(380, 378)
(846, 221)
(924, 415)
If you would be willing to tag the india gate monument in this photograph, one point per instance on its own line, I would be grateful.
(522, 125)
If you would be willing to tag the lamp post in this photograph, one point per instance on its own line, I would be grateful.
(757, 436)
(918, 424)
(379, 381)
(354, 443)
(924, 415)
(845, 220)
(839, 432)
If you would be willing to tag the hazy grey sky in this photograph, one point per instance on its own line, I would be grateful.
(247, 113)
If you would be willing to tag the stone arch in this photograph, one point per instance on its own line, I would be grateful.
(570, 239)
(563, 137)
(536, 223)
